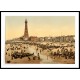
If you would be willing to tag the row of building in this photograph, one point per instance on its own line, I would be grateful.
(70, 38)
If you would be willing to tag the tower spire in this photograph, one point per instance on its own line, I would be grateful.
(26, 36)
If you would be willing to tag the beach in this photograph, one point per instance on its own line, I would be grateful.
(44, 54)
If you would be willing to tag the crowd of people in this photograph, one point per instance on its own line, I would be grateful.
(21, 50)
(67, 52)
(64, 52)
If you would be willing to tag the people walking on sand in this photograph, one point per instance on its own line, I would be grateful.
(34, 57)
(29, 58)
(12, 56)
(47, 57)
(40, 50)
(58, 53)
(62, 51)
(38, 56)
(71, 54)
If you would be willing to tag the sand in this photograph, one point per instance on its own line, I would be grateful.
(45, 57)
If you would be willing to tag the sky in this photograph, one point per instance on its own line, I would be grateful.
(39, 26)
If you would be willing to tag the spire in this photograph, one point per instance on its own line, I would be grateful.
(25, 20)
(26, 31)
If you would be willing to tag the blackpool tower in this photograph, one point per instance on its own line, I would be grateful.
(26, 36)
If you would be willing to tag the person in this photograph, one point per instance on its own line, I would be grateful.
(58, 53)
(12, 56)
(38, 56)
(71, 53)
(47, 57)
(40, 50)
(62, 51)
(54, 55)
(6, 53)
(28, 57)
(34, 58)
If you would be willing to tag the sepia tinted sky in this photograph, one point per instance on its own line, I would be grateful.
(39, 26)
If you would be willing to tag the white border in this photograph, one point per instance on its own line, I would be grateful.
(3, 14)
